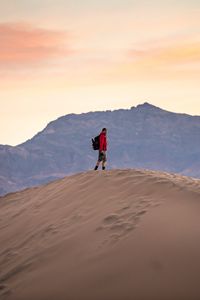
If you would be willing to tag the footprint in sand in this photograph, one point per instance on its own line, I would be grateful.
(2, 287)
(141, 212)
(117, 225)
(4, 291)
(112, 218)
(124, 220)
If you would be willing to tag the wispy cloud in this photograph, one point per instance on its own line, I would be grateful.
(166, 59)
(24, 44)
(174, 53)
(180, 54)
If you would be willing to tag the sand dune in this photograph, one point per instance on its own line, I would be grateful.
(113, 235)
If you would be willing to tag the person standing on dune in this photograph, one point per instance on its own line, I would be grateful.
(102, 149)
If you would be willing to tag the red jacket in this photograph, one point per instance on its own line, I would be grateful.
(103, 142)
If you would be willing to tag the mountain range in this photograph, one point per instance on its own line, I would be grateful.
(144, 137)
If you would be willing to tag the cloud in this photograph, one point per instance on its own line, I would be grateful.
(22, 44)
(165, 59)
(174, 53)
(181, 54)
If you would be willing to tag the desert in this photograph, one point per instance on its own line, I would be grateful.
(112, 235)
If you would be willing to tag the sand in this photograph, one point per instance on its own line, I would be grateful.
(112, 235)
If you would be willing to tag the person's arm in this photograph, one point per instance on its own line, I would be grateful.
(105, 141)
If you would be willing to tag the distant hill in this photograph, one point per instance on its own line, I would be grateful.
(141, 137)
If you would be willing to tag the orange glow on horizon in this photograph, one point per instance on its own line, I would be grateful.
(62, 57)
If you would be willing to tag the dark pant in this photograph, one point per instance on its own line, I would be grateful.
(102, 156)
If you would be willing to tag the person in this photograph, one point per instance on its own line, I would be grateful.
(102, 149)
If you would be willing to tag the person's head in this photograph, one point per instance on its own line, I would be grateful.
(104, 130)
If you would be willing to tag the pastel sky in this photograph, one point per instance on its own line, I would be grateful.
(64, 56)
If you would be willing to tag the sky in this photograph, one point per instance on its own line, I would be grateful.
(73, 56)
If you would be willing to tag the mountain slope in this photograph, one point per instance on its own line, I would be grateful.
(144, 137)
(120, 234)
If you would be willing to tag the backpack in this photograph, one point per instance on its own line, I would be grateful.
(95, 143)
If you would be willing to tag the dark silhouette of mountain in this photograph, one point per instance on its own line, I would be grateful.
(141, 137)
